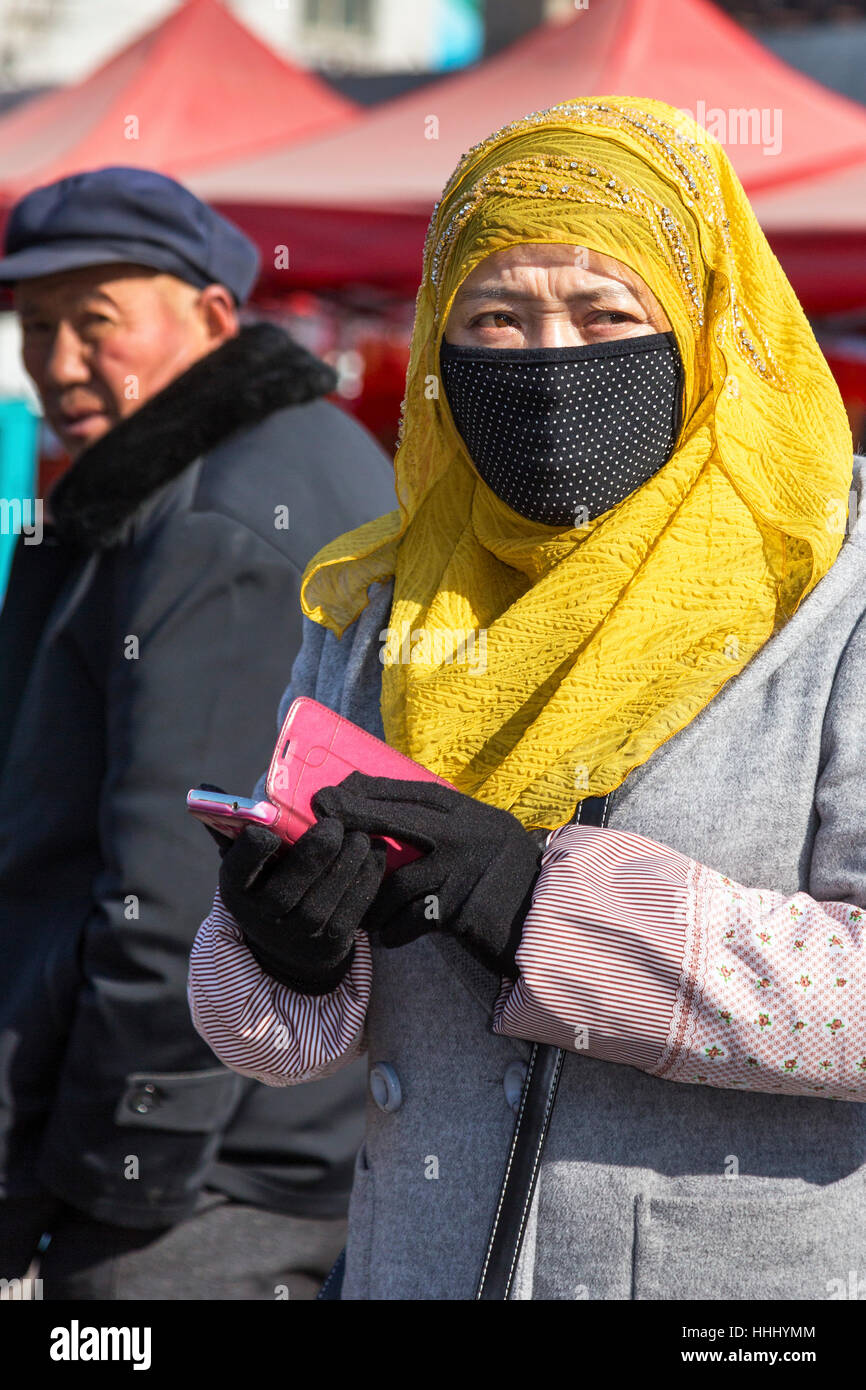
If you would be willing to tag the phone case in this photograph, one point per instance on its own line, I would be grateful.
(229, 814)
(318, 748)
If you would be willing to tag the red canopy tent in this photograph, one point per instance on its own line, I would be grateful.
(817, 228)
(197, 87)
(357, 200)
(193, 89)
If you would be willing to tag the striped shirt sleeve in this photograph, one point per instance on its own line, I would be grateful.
(633, 953)
(264, 1029)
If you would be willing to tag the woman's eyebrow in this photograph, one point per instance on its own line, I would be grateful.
(614, 292)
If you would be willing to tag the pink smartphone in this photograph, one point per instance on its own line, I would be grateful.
(316, 748)
(229, 814)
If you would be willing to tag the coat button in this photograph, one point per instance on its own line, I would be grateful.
(145, 1098)
(385, 1087)
(512, 1082)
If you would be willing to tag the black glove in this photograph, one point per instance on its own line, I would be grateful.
(475, 879)
(300, 905)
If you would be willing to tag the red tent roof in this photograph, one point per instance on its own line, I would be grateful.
(831, 201)
(200, 86)
(686, 52)
(817, 228)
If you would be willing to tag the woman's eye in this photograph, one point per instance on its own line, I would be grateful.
(615, 314)
(496, 318)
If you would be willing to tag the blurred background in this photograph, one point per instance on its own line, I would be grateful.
(326, 129)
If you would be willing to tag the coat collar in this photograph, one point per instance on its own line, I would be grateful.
(240, 383)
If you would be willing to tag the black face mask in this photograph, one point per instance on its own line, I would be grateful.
(563, 434)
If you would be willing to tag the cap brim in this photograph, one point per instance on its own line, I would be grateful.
(52, 258)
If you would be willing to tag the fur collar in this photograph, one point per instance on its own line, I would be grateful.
(241, 382)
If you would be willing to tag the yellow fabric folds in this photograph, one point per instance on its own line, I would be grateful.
(531, 665)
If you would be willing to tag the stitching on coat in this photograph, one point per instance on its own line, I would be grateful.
(338, 1264)
(551, 1095)
(502, 1195)
(542, 1135)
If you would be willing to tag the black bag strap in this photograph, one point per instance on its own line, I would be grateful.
(530, 1132)
(332, 1288)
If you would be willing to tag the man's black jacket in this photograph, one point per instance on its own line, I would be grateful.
(144, 647)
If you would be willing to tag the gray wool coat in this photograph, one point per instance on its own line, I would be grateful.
(767, 785)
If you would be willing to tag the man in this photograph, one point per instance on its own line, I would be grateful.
(144, 645)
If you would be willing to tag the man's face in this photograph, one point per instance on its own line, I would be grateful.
(98, 342)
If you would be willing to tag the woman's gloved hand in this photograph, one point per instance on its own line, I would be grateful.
(477, 873)
(299, 906)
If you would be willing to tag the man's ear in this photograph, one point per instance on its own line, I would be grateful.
(219, 312)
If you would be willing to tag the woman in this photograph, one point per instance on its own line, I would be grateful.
(630, 497)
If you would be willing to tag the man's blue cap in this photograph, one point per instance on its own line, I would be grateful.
(105, 216)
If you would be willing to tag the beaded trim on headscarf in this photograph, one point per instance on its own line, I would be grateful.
(590, 183)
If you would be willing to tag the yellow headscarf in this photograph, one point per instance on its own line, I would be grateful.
(602, 642)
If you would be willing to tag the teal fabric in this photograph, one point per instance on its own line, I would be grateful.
(18, 426)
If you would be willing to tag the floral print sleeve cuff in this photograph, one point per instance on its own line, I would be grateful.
(633, 953)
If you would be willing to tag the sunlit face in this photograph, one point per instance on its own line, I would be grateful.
(537, 295)
(100, 341)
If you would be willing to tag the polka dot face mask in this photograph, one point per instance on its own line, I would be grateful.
(563, 434)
